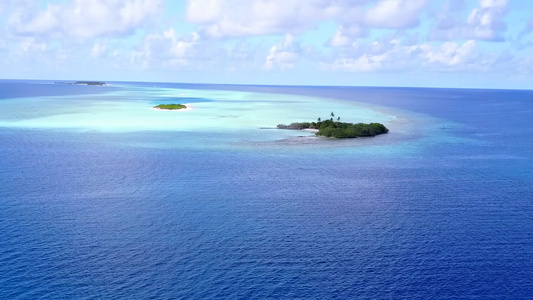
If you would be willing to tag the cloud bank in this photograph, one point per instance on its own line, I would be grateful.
(266, 38)
(231, 18)
(85, 19)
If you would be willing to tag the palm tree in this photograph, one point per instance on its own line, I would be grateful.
(338, 119)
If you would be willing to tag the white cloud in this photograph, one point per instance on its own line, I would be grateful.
(343, 35)
(204, 11)
(230, 18)
(364, 63)
(452, 54)
(283, 55)
(483, 23)
(486, 22)
(85, 18)
(387, 54)
(224, 18)
(392, 55)
(339, 39)
(166, 48)
(395, 13)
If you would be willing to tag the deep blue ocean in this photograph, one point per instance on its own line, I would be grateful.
(443, 210)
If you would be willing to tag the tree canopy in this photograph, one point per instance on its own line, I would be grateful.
(170, 106)
(337, 129)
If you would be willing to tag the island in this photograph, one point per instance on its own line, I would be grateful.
(337, 129)
(98, 83)
(170, 106)
(90, 82)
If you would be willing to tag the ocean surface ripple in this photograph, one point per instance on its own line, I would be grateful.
(165, 215)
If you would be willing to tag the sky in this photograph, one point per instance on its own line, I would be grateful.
(412, 43)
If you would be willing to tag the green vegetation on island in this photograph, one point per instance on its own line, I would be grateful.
(90, 82)
(170, 106)
(337, 129)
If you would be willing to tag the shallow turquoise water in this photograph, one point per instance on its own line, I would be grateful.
(130, 109)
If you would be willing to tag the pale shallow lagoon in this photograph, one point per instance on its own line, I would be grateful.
(130, 110)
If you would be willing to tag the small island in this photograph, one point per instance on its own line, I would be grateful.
(98, 83)
(170, 106)
(90, 83)
(337, 129)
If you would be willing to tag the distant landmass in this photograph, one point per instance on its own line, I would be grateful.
(337, 129)
(100, 83)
